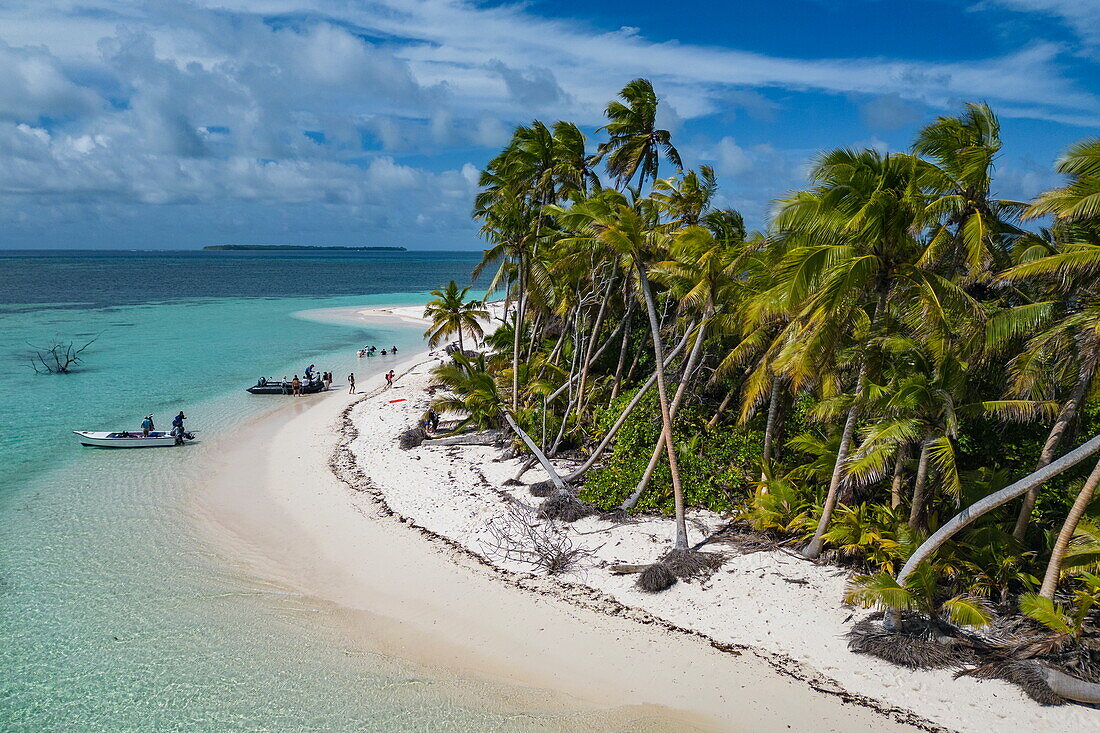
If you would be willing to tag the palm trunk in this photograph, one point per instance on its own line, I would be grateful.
(899, 476)
(622, 351)
(721, 408)
(681, 390)
(1065, 417)
(918, 511)
(773, 421)
(1054, 567)
(994, 500)
(461, 350)
(599, 352)
(546, 465)
(520, 302)
(662, 397)
(619, 421)
(592, 344)
(813, 549)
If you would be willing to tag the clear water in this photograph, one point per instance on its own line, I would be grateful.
(114, 613)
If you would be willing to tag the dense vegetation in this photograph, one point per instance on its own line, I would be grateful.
(898, 345)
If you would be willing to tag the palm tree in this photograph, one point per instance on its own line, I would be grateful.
(636, 145)
(704, 273)
(972, 226)
(1079, 200)
(1067, 348)
(858, 263)
(631, 231)
(452, 314)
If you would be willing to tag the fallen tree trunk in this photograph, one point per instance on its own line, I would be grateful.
(546, 465)
(485, 437)
(1071, 688)
(994, 500)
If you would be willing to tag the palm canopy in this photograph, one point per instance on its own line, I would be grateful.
(971, 226)
(452, 314)
(1079, 200)
(636, 145)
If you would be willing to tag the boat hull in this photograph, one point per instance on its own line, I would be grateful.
(278, 388)
(156, 439)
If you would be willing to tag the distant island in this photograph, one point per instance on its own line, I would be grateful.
(297, 247)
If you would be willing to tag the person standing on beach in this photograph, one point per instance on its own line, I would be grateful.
(351, 383)
(389, 379)
(296, 386)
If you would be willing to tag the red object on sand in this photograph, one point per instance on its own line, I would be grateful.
(400, 400)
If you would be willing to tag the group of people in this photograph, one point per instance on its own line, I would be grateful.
(148, 428)
(369, 351)
(390, 376)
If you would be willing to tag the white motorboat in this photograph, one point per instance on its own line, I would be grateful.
(129, 439)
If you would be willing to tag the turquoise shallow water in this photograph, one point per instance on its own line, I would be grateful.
(114, 612)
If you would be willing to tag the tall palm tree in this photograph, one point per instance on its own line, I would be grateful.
(631, 230)
(636, 144)
(704, 274)
(859, 262)
(452, 314)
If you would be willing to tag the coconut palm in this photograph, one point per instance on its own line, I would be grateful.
(452, 314)
(971, 226)
(636, 145)
(859, 262)
(631, 231)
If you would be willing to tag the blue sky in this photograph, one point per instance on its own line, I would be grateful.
(171, 124)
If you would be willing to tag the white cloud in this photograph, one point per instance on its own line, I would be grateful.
(110, 104)
(1080, 16)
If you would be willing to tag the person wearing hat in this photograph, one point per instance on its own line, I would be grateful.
(147, 425)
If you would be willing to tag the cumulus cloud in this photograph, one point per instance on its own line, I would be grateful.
(378, 112)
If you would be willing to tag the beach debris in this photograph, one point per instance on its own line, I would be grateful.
(542, 489)
(656, 578)
(520, 535)
(412, 438)
(564, 505)
(686, 564)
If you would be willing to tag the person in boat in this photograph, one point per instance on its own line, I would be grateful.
(296, 386)
(177, 422)
(309, 372)
(351, 383)
(147, 425)
(261, 382)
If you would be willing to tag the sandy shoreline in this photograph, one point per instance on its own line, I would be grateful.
(399, 543)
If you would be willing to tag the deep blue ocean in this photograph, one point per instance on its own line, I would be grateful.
(115, 614)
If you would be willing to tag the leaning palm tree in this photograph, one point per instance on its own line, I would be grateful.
(859, 262)
(636, 145)
(452, 314)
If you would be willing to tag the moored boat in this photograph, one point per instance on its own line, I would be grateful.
(129, 439)
(266, 386)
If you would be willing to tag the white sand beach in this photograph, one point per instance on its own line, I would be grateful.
(318, 496)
